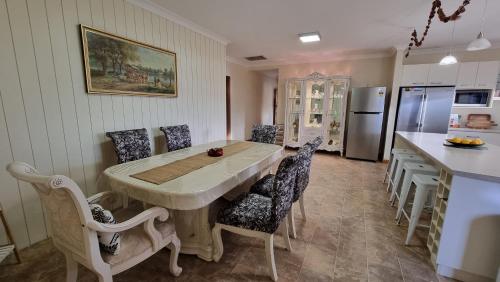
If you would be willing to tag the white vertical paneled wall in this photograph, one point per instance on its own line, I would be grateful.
(48, 120)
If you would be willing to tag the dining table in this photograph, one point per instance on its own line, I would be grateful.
(192, 186)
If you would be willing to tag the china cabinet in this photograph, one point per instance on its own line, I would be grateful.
(316, 106)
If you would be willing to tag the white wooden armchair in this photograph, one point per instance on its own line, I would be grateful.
(74, 231)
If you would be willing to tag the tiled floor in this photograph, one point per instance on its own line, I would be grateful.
(349, 235)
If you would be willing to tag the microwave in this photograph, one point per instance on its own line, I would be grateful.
(472, 98)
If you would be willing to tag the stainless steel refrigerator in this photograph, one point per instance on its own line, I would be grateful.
(366, 115)
(425, 109)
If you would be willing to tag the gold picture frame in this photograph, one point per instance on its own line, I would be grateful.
(118, 65)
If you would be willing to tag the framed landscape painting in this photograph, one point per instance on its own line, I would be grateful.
(117, 65)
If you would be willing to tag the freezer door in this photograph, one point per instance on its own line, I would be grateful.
(410, 109)
(437, 109)
(367, 99)
(363, 136)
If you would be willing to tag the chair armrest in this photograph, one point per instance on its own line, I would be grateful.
(147, 215)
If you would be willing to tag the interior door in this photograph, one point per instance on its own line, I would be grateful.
(410, 109)
(437, 109)
(363, 136)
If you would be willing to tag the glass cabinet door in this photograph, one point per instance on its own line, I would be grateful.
(313, 113)
(294, 95)
(293, 127)
(336, 95)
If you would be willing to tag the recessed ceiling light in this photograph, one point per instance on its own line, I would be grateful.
(309, 37)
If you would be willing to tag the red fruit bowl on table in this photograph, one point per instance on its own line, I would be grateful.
(216, 152)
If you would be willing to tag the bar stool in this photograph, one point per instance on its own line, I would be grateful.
(399, 160)
(410, 169)
(425, 185)
(390, 165)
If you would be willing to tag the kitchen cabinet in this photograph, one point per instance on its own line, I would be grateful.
(467, 73)
(470, 75)
(487, 73)
(442, 75)
(415, 75)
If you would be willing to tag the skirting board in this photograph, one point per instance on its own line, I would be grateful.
(463, 275)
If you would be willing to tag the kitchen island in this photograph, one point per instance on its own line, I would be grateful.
(464, 238)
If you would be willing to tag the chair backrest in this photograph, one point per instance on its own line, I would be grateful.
(66, 209)
(283, 185)
(304, 161)
(177, 137)
(264, 133)
(130, 145)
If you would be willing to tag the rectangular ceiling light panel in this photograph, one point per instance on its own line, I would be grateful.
(309, 37)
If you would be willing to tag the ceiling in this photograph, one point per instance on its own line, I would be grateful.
(354, 28)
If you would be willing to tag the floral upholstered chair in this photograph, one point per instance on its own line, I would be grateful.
(264, 133)
(265, 185)
(259, 216)
(75, 232)
(177, 137)
(130, 145)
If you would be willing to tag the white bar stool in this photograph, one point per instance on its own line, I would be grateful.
(390, 165)
(410, 169)
(425, 185)
(395, 176)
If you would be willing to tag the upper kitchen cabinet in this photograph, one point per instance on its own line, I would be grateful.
(415, 75)
(487, 73)
(442, 75)
(467, 74)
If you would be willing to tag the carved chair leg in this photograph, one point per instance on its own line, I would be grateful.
(174, 255)
(270, 257)
(217, 240)
(291, 223)
(302, 209)
(284, 233)
(71, 269)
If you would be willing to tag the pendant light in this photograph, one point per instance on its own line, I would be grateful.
(481, 42)
(449, 59)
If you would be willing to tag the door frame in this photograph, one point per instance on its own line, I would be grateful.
(228, 107)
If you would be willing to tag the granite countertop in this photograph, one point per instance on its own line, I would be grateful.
(473, 163)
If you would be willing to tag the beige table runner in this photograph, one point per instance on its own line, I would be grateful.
(165, 173)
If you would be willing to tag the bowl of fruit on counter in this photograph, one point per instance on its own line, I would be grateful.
(465, 142)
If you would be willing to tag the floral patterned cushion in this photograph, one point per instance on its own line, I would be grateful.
(264, 133)
(264, 186)
(304, 166)
(304, 158)
(108, 242)
(260, 213)
(249, 211)
(130, 145)
(177, 137)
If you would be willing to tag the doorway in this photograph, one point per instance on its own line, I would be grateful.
(228, 107)
(275, 104)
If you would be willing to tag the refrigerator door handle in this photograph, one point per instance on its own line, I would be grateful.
(420, 113)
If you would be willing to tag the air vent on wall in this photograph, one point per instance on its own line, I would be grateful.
(256, 58)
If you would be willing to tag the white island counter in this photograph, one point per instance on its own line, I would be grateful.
(464, 239)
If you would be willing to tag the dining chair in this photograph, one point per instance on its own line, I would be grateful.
(130, 145)
(259, 217)
(263, 133)
(177, 137)
(264, 185)
(75, 232)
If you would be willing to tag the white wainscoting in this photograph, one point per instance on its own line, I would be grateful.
(48, 120)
